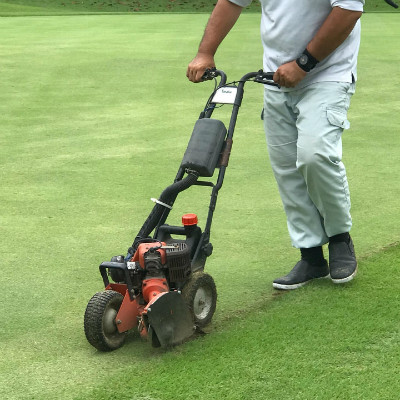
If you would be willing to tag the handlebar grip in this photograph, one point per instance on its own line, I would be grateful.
(209, 73)
(267, 78)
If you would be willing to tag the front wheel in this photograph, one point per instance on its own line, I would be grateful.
(99, 322)
(200, 294)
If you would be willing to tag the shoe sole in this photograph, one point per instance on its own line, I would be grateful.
(347, 279)
(296, 285)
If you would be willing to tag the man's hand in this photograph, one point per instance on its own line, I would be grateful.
(289, 75)
(198, 66)
(330, 36)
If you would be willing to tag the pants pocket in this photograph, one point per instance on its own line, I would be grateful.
(337, 117)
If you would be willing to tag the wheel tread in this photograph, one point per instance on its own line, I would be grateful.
(197, 280)
(93, 320)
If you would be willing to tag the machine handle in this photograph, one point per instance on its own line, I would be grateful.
(121, 266)
(211, 73)
(266, 78)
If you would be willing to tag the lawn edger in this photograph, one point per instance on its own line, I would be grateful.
(160, 287)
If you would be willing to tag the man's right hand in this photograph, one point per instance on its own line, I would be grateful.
(198, 66)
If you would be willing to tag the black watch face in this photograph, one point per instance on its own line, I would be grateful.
(303, 60)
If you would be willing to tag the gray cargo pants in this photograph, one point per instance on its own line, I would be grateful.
(304, 135)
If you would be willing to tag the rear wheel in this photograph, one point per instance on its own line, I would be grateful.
(200, 294)
(99, 322)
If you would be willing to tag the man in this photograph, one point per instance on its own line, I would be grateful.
(313, 47)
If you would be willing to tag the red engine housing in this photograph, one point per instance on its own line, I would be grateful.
(144, 248)
(152, 288)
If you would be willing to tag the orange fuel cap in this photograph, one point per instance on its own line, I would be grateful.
(189, 219)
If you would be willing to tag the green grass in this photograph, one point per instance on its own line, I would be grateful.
(44, 7)
(266, 352)
(96, 114)
(109, 6)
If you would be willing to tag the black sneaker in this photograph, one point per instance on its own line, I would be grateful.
(342, 261)
(302, 273)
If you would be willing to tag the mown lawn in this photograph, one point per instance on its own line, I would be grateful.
(40, 7)
(96, 114)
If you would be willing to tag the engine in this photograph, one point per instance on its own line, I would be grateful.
(158, 260)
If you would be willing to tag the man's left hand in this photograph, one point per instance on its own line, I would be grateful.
(289, 75)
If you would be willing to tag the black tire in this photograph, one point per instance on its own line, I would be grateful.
(100, 328)
(200, 294)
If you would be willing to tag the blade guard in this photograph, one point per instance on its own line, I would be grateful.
(169, 319)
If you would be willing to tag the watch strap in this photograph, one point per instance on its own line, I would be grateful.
(306, 61)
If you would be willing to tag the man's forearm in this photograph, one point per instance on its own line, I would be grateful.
(221, 21)
(333, 32)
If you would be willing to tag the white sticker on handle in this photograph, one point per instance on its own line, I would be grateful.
(225, 95)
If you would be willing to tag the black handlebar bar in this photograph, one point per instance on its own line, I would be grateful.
(267, 78)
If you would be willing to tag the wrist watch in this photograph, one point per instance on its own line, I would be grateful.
(306, 61)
